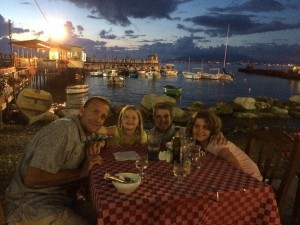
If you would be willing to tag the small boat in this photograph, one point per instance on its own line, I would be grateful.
(133, 75)
(116, 81)
(97, 73)
(34, 103)
(77, 89)
(172, 90)
(153, 75)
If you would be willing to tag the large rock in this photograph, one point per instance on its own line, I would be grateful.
(295, 98)
(244, 103)
(150, 100)
(222, 108)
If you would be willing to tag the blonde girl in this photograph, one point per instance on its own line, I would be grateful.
(129, 129)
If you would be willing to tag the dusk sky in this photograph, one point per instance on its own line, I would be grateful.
(260, 30)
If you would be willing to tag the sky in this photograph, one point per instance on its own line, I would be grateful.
(259, 30)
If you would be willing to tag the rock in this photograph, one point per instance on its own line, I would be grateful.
(222, 108)
(244, 103)
(195, 106)
(180, 115)
(248, 115)
(282, 113)
(262, 105)
(295, 98)
(150, 100)
(66, 112)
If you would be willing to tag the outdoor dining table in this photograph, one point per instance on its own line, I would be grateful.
(215, 193)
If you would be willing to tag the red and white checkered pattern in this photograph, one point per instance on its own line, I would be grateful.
(215, 194)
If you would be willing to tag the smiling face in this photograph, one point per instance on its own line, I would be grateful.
(201, 131)
(93, 115)
(130, 119)
(162, 119)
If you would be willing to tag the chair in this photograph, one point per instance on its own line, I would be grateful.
(277, 155)
(2, 222)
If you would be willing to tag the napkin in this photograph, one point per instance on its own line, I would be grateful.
(123, 156)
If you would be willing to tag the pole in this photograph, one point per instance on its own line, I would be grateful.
(226, 47)
(10, 44)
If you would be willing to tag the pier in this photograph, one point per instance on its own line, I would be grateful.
(95, 64)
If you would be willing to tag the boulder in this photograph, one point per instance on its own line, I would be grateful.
(222, 108)
(195, 106)
(295, 98)
(150, 100)
(244, 103)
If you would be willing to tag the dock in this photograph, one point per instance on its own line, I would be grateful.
(273, 73)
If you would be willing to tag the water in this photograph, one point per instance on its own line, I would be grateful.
(205, 91)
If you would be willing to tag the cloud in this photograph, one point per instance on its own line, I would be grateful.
(252, 6)
(189, 29)
(72, 31)
(130, 34)
(105, 34)
(239, 24)
(4, 28)
(118, 12)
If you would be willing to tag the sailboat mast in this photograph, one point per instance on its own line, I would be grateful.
(225, 54)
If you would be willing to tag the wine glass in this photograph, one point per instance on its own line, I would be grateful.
(141, 163)
(179, 170)
(197, 156)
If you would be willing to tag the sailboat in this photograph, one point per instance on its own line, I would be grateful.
(188, 74)
(226, 75)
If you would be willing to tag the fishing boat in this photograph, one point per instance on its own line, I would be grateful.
(98, 73)
(116, 81)
(153, 75)
(77, 89)
(172, 90)
(34, 104)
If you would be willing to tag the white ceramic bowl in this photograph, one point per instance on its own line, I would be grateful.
(130, 187)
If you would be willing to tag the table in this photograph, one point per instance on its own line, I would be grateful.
(215, 194)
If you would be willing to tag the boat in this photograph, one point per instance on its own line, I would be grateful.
(187, 74)
(211, 75)
(172, 90)
(154, 75)
(97, 73)
(169, 70)
(116, 81)
(77, 89)
(110, 73)
(34, 104)
(133, 75)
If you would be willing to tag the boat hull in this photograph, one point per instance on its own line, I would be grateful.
(77, 89)
(171, 90)
(34, 104)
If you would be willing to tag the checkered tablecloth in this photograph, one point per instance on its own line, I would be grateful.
(217, 193)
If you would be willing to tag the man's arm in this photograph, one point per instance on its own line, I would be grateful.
(36, 176)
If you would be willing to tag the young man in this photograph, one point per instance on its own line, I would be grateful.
(42, 190)
(162, 115)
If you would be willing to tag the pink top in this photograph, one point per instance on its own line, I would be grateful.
(247, 164)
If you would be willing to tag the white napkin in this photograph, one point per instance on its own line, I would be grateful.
(123, 156)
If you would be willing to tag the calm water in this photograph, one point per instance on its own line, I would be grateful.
(205, 91)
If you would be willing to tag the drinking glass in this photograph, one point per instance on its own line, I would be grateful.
(153, 142)
(179, 170)
(141, 163)
(197, 155)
